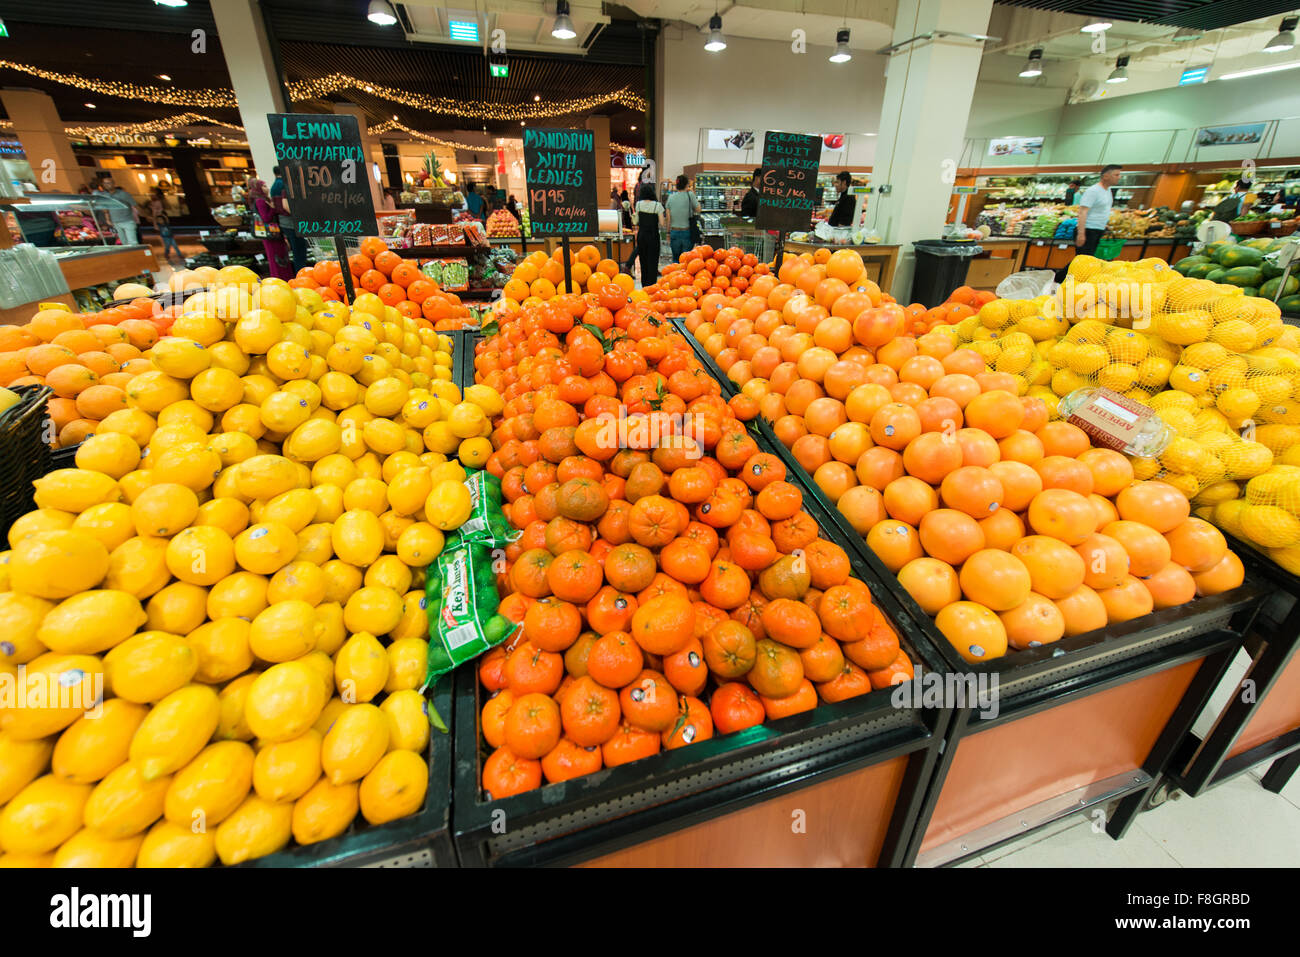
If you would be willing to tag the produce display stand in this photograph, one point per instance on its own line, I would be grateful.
(1260, 724)
(1058, 253)
(842, 784)
(421, 840)
(1080, 722)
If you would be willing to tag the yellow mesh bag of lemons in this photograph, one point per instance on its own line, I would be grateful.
(238, 558)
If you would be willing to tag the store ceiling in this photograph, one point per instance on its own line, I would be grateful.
(1204, 14)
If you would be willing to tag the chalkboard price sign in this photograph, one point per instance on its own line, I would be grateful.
(560, 168)
(787, 189)
(324, 168)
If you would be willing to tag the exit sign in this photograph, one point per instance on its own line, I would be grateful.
(4, 30)
(499, 70)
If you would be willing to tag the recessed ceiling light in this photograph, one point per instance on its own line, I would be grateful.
(536, 97)
(1096, 25)
(1186, 34)
(634, 129)
(91, 106)
(164, 77)
(172, 3)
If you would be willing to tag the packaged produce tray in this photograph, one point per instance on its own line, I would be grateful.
(421, 840)
(618, 807)
(1018, 671)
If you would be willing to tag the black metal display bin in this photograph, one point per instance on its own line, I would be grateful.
(1258, 724)
(618, 808)
(421, 840)
(1034, 680)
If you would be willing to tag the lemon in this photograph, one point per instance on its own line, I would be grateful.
(1270, 526)
(1189, 379)
(227, 357)
(74, 490)
(138, 425)
(313, 440)
(407, 491)
(234, 696)
(341, 579)
(295, 509)
(89, 848)
(325, 811)
(42, 816)
(265, 548)
(408, 721)
(354, 744)
(373, 609)
(58, 563)
(386, 397)
(283, 631)
(490, 401)
(358, 538)
(149, 666)
(284, 701)
(125, 802)
(1153, 372)
(408, 658)
(171, 845)
(257, 331)
(217, 390)
(475, 452)
(466, 420)
(22, 615)
(420, 411)
(175, 731)
(222, 649)
(138, 567)
(91, 622)
(22, 761)
(255, 829)
(165, 509)
(389, 571)
(94, 745)
(299, 580)
(111, 523)
(314, 541)
(395, 787)
(419, 544)
(228, 514)
(201, 555)
(333, 469)
(208, 789)
(243, 418)
(153, 391)
(181, 358)
(448, 505)
(383, 436)
(1245, 460)
(288, 360)
(80, 683)
(242, 595)
(361, 668)
(113, 454)
(286, 770)
(266, 476)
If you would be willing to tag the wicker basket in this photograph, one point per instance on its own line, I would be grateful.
(24, 452)
(1251, 227)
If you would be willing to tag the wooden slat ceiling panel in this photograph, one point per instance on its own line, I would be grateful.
(1202, 14)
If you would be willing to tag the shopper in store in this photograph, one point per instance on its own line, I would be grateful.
(646, 215)
(1072, 191)
(273, 244)
(749, 205)
(288, 225)
(1094, 210)
(162, 222)
(512, 207)
(842, 214)
(474, 202)
(125, 215)
(1232, 206)
(682, 206)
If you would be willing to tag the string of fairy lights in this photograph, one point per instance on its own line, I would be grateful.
(153, 126)
(320, 87)
(389, 126)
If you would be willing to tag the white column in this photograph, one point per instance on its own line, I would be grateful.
(370, 146)
(39, 129)
(252, 74)
(928, 90)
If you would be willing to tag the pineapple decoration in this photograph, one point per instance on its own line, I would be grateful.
(433, 172)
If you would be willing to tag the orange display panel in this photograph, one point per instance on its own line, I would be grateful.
(838, 823)
(1277, 714)
(1013, 766)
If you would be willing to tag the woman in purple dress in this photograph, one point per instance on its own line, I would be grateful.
(277, 250)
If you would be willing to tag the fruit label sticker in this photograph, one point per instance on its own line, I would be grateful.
(787, 190)
(1110, 419)
(324, 169)
(560, 167)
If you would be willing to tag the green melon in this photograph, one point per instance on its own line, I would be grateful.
(1231, 257)
(1243, 276)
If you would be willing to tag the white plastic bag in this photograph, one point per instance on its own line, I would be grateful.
(1027, 284)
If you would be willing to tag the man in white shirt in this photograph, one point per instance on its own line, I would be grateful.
(1094, 211)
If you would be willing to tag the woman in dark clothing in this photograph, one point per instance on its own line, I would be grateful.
(749, 205)
(646, 214)
(512, 207)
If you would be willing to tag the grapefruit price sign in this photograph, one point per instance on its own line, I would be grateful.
(324, 170)
(787, 189)
(560, 169)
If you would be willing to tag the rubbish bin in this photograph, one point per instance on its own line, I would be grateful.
(941, 266)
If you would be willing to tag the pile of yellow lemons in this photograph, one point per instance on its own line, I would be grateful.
(1220, 368)
(237, 561)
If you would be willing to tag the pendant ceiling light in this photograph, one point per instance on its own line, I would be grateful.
(1285, 39)
(842, 53)
(1120, 73)
(1034, 65)
(381, 12)
(1096, 25)
(716, 41)
(563, 29)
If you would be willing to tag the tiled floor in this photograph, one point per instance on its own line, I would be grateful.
(1236, 824)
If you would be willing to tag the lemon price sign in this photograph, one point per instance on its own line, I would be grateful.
(324, 169)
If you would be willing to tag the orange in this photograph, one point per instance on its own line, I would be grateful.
(1062, 514)
(950, 536)
(1147, 549)
(973, 630)
(995, 579)
(932, 584)
(895, 543)
(1128, 600)
(996, 412)
(1055, 569)
(973, 490)
(1083, 611)
(1196, 545)
(1034, 622)
(1157, 504)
